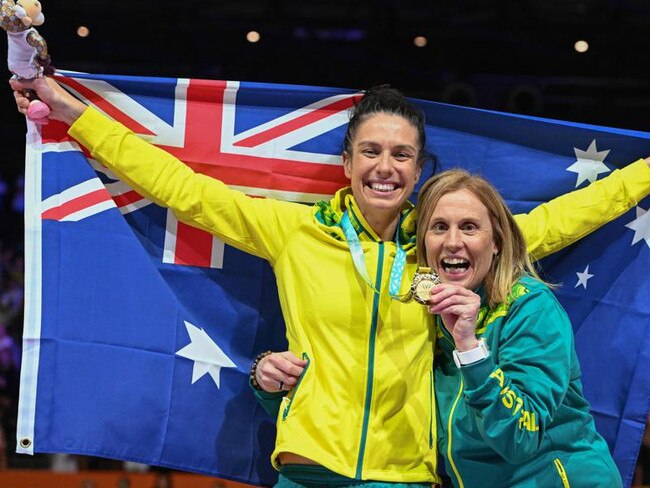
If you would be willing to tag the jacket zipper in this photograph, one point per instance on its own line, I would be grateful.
(562, 473)
(431, 412)
(450, 436)
(371, 361)
(447, 336)
(295, 388)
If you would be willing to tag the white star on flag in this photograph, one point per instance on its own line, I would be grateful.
(589, 164)
(207, 356)
(583, 278)
(640, 226)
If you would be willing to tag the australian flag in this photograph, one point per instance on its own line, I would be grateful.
(140, 330)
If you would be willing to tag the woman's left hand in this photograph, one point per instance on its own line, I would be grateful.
(458, 308)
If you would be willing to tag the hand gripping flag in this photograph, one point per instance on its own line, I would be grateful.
(140, 330)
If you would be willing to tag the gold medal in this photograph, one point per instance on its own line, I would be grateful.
(423, 281)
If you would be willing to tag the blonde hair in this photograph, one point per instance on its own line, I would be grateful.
(511, 261)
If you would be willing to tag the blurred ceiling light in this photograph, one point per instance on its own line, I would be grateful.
(420, 41)
(581, 46)
(83, 31)
(253, 36)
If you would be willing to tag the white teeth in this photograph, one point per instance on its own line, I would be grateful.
(383, 186)
(455, 265)
(452, 271)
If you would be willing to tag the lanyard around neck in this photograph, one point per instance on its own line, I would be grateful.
(356, 251)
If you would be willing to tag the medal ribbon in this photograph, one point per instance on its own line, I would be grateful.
(359, 261)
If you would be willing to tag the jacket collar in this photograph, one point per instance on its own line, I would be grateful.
(330, 213)
(487, 315)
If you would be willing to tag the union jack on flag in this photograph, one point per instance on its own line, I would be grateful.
(213, 139)
(140, 330)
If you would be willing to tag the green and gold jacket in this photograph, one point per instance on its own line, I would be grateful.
(519, 417)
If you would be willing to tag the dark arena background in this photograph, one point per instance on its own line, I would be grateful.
(576, 60)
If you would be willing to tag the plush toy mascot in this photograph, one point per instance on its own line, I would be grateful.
(27, 56)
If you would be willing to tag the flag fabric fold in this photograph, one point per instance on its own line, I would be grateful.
(140, 330)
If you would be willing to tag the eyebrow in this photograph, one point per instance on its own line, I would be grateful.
(398, 146)
(473, 219)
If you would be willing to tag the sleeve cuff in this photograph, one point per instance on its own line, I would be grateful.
(476, 374)
(270, 401)
(266, 395)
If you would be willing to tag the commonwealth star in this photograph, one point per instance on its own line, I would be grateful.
(207, 356)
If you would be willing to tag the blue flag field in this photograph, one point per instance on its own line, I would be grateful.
(140, 330)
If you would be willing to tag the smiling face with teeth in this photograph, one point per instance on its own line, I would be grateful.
(459, 239)
(382, 168)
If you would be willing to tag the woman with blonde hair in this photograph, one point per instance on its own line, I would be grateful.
(509, 396)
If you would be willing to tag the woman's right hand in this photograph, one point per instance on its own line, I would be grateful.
(458, 308)
(279, 371)
(63, 105)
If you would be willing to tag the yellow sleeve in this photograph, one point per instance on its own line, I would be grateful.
(567, 218)
(254, 225)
